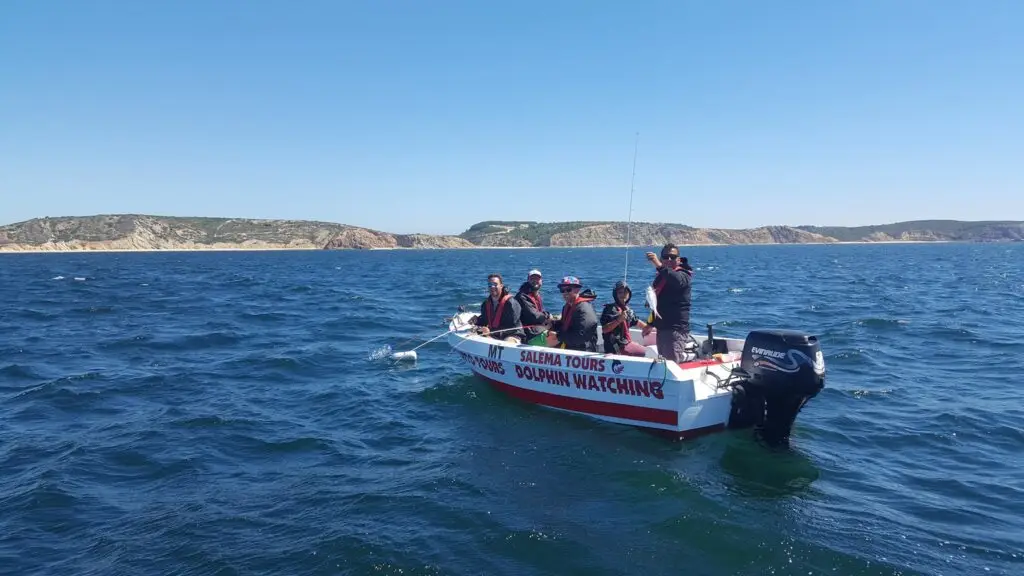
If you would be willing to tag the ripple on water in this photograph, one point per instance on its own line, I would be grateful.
(224, 413)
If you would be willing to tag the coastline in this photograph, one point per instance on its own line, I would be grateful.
(312, 249)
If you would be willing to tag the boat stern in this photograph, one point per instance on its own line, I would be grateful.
(780, 371)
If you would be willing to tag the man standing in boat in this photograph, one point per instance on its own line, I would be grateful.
(577, 329)
(672, 286)
(535, 320)
(499, 313)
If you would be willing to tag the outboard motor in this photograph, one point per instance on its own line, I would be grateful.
(779, 372)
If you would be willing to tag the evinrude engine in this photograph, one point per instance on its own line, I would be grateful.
(780, 371)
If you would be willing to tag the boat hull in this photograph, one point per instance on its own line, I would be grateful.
(675, 400)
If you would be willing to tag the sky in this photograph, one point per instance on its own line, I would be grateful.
(430, 116)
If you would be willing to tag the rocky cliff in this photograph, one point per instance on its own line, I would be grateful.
(642, 234)
(142, 232)
(363, 239)
(521, 233)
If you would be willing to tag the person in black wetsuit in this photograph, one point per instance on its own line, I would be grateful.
(535, 319)
(577, 329)
(672, 285)
(616, 320)
(499, 313)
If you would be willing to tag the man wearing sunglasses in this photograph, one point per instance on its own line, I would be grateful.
(672, 285)
(500, 313)
(577, 328)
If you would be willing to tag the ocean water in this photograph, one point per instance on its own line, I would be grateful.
(231, 413)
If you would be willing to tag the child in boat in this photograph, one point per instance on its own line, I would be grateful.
(616, 320)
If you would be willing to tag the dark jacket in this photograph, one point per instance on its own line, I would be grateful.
(578, 326)
(616, 338)
(673, 299)
(533, 313)
(509, 323)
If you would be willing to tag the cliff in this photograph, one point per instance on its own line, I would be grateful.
(362, 238)
(521, 233)
(143, 232)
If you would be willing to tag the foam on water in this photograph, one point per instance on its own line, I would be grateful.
(381, 352)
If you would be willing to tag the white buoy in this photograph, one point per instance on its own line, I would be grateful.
(399, 356)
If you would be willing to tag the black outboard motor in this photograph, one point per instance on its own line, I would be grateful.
(780, 371)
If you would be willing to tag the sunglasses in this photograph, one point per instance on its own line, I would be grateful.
(566, 289)
(492, 285)
(670, 256)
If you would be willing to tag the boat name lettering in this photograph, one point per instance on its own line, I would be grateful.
(488, 364)
(767, 352)
(544, 358)
(585, 363)
(494, 351)
(549, 375)
(608, 384)
(555, 359)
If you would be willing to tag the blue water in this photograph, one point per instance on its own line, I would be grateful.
(228, 413)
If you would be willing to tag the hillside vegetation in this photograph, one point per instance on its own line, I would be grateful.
(144, 232)
(583, 233)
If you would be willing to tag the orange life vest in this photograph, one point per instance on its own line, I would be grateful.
(494, 318)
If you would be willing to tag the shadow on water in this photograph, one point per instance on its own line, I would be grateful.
(757, 471)
(745, 466)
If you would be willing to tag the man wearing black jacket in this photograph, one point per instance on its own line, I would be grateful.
(577, 329)
(672, 285)
(535, 320)
(499, 313)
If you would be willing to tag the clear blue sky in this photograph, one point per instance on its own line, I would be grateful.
(433, 115)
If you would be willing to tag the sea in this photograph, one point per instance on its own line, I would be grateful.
(222, 413)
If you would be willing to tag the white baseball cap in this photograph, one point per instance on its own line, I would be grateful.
(534, 272)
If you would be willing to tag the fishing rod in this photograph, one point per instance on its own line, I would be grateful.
(411, 354)
(629, 221)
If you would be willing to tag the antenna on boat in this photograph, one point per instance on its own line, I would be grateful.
(629, 221)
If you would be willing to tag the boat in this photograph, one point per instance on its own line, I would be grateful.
(760, 382)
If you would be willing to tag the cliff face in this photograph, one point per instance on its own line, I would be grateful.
(363, 239)
(520, 233)
(141, 232)
(927, 231)
(614, 234)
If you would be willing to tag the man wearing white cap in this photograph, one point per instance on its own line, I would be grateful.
(535, 320)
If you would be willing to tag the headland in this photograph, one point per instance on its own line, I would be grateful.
(140, 232)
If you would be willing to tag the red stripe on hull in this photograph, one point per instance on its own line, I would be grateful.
(596, 407)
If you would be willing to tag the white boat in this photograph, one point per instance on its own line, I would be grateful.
(760, 382)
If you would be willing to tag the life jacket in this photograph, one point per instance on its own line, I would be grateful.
(494, 318)
(568, 309)
(659, 283)
(537, 300)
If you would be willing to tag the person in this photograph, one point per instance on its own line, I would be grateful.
(616, 320)
(672, 285)
(577, 329)
(499, 313)
(535, 319)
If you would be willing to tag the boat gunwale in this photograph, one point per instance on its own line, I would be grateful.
(465, 335)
